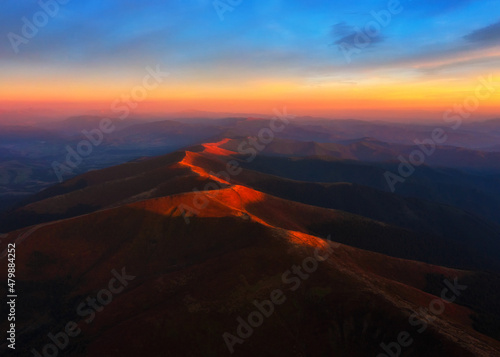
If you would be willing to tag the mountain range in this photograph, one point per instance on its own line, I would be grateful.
(209, 234)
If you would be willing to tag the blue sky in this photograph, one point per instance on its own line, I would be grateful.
(257, 42)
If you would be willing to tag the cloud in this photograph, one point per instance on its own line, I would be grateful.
(460, 65)
(341, 29)
(344, 33)
(116, 39)
(350, 39)
(488, 34)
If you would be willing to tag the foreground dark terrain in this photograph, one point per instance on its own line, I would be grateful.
(215, 227)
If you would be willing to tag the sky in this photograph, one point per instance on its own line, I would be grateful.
(367, 59)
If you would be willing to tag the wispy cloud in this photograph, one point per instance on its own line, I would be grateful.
(343, 33)
(341, 29)
(488, 34)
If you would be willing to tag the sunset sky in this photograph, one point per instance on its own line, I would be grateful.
(253, 57)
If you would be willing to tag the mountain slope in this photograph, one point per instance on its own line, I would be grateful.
(426, 229)
(198, 261)
(193, 281)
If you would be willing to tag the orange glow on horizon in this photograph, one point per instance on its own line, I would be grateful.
(374, 95)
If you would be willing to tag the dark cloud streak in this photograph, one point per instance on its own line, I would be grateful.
(488, 34)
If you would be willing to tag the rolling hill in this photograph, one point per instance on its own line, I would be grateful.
(192, 281)
(206, 236)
